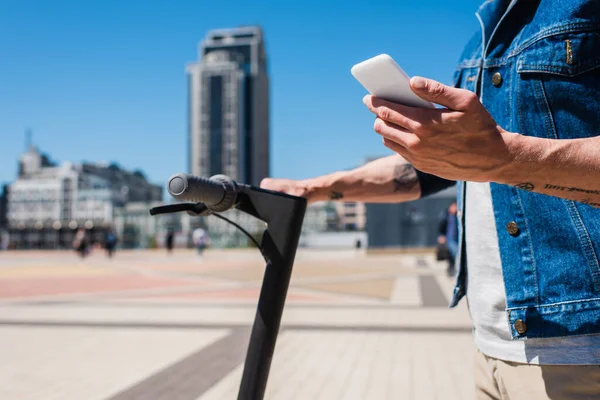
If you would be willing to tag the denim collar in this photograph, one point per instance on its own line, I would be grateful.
(490, 14)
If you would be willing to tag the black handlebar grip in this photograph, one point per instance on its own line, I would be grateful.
(217, 193)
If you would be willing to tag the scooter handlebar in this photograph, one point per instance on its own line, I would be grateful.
(218, 193)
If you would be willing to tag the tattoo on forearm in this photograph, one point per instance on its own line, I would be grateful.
(528, 186)
(336, 195)
(571, 189)
(406, 178)
(589, 203)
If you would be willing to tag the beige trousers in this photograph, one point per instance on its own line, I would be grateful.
(502, 380)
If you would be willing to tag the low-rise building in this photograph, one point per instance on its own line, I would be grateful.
(352, 215)
(410, 224)
(48, 202)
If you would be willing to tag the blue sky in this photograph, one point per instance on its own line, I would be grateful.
(105, 80)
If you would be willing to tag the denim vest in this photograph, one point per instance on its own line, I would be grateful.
(535, 65)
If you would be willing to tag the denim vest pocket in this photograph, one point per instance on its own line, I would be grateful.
(565, 54)
(559, 86)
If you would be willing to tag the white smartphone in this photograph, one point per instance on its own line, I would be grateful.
(383, 78)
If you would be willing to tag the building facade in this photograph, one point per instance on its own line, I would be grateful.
(136, 228)
(410, 224)
(228, 106)
(48, 202)
(352, 215)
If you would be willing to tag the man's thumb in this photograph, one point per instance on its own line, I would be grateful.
(449, 97)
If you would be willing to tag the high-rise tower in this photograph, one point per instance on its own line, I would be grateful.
(228, 106)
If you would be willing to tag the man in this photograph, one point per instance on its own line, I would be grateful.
(169, 240)
(519, 133)
(80, 242)
(201, 240)
(110, 242)
(448, 235)
(4, 239)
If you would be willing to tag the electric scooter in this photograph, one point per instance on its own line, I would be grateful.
(283, 215)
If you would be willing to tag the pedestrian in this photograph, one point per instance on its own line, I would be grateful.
(448, 237)
(201, 240)
(81, 243)
(110, 242)
(169, 241)
(518, 133)
(4, 240)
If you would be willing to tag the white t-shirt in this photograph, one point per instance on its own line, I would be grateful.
(199, 237)
(487, 297)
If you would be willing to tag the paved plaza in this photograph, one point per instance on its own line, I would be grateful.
(148, 325)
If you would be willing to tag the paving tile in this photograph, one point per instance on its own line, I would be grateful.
(406, 291)
(151, 325)
(194, 374)
(362, 365)
(39, 287)
(378, 288)
(88, 363)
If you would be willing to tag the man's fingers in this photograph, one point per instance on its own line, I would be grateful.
(396, 134)
(452, 98)
(395, 147)
(266, 183)
(406, 117)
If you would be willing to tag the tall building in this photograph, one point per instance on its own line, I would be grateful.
(228, 106)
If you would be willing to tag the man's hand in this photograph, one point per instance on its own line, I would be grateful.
(288, 186)
(459, 142)
(385, 180)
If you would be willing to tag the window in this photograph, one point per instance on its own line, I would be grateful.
(350, 227)
(216, 123)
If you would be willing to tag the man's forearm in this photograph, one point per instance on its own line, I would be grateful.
(569, 169)
(386, 180)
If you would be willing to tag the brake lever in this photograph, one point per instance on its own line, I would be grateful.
(194, 209)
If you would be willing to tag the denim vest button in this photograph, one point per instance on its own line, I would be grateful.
(520, 326)
(497, 79)
(512, 228)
